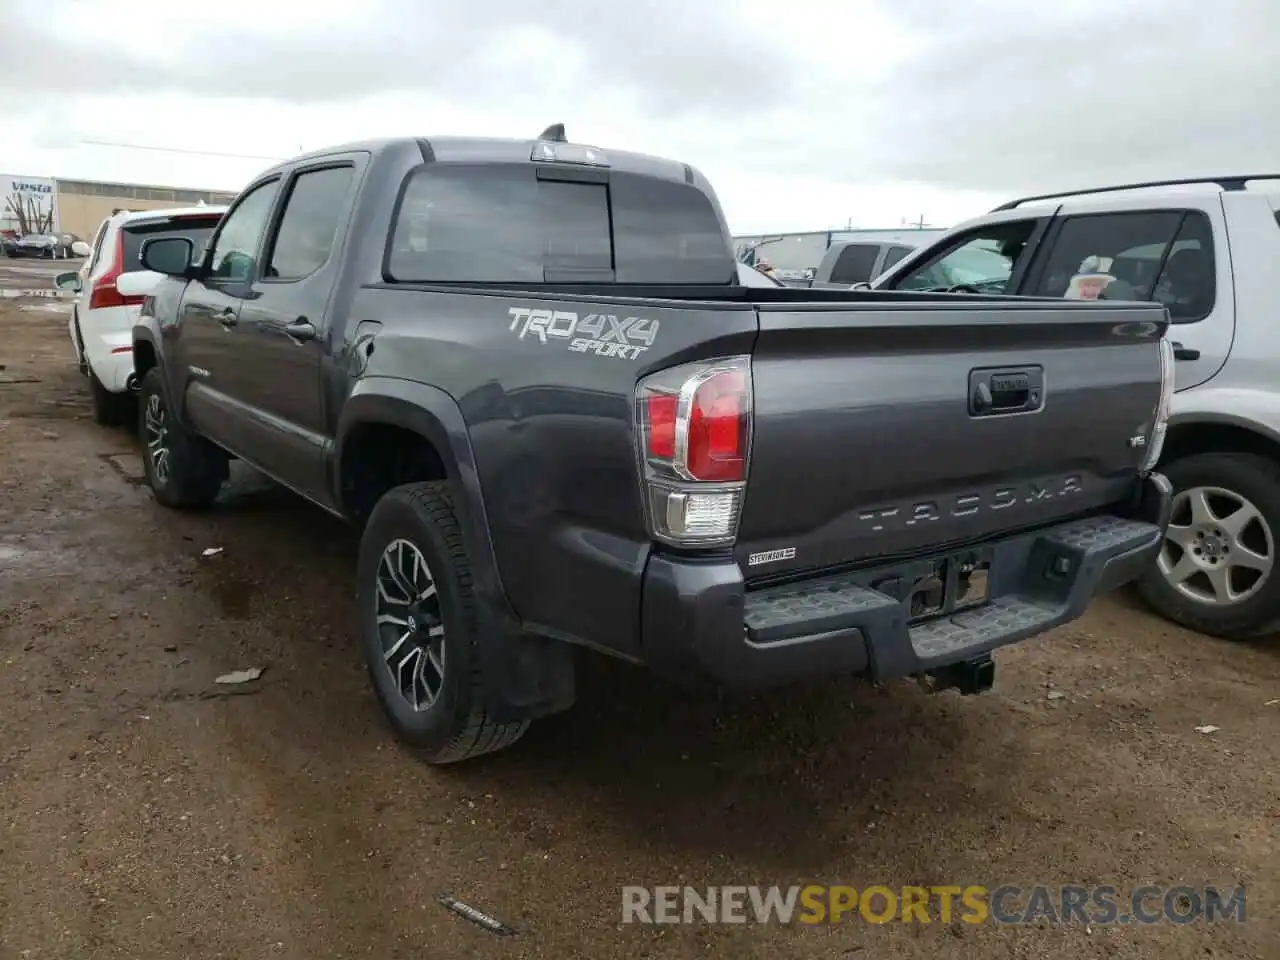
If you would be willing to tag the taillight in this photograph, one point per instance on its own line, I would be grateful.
(694, 428)
(660, 409)
(1160, 419)
(104, 292)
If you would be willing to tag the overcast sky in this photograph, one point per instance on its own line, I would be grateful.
(805, 114)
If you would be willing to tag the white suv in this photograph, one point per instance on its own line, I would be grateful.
(101, 325)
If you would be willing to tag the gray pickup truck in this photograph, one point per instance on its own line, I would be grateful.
(527, 370)
(858, 261)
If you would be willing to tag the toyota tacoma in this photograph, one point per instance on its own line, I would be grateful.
(528, 372)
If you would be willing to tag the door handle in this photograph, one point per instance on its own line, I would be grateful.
(301, 330)
(227, 318)
(1009, 390)
(1184, 353)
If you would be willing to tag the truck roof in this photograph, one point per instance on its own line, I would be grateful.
(503, 150)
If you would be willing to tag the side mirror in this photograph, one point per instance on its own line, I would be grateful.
(861, 285)
(171, 256)
(68, 281)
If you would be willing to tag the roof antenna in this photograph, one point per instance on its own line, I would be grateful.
(554, 133)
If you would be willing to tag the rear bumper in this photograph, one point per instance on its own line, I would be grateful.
(113, 370)
(698, 618)
(108, 345)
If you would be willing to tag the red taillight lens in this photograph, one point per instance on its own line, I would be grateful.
(104, 292)
(660, 410)
(717, 448)
(693, 435)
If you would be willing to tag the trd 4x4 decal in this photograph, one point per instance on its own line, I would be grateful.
(603, 334)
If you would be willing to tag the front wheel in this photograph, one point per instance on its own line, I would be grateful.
(417, 610)
(1216, 571)
(182, 468)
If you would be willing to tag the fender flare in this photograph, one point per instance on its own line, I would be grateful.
(145, 332)
(433, 414)
(525, 676)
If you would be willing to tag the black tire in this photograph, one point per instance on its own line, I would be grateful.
(82, 362)
(1256, 479)
(455, 726)
(109, 409)
(194, 467)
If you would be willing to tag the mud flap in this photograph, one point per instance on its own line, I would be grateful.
(525, 676)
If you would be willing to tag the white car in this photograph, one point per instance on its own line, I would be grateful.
(110, 288)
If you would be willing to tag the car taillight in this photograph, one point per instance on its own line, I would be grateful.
(694, 429)
(1160, 419)
(104, 292)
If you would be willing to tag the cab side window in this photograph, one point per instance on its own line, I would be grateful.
(983, 259)
(855, 263)
(1188, 283)
(310, 222)
(894, 255)
(97, 246)
(235, 250)
(1161, 255)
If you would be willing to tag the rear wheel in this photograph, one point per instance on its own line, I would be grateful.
(417, 612)
(1216, 571)
(182, 468)
(109, 409)
(82, 362)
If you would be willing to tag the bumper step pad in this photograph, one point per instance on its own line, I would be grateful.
(1040, 580)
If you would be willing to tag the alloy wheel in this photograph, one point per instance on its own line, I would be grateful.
(156, 427)
(410, 623)
(1219, 549)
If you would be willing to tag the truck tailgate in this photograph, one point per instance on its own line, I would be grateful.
(900, 428)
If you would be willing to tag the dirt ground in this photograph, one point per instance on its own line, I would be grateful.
(146, 813)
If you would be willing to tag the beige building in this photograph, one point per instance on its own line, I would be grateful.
(82, 205)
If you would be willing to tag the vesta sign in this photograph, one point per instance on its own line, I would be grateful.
(30, 186)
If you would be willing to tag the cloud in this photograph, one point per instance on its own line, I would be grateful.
(669, 56)
(804, 115)
(1008, 97)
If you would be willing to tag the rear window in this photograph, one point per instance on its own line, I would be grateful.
(855, 263)
(197, 229)
(501, 224)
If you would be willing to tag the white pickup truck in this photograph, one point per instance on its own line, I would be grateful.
(1207, 249)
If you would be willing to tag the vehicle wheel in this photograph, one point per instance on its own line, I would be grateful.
(182, 468)
(109, 409)
(1216, 569)
(82, 362)
(418, 623)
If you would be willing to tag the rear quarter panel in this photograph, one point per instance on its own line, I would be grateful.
(551, 426)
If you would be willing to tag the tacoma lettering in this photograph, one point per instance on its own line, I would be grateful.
(908, 516)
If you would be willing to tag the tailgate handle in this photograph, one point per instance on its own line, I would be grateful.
(1004, 390)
